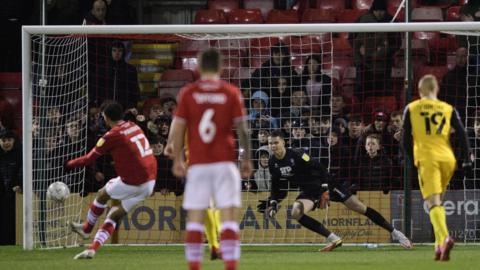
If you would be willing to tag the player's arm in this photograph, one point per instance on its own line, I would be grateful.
(103, 145)
(462, 136)
(276, 194)
(244, 143)
(241, 124)
(407, 138)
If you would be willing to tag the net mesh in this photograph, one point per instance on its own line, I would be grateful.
(59, 92)
(327, 92)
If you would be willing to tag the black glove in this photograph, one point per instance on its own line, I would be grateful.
(262, 206)
(273, 208)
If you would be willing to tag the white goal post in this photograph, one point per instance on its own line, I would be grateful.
(213, 31)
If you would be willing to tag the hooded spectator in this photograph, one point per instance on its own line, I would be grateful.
(259, 113)
(262, 174)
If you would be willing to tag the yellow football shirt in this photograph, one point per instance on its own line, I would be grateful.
(431, 127)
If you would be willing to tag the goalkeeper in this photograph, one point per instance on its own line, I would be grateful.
(288, 166)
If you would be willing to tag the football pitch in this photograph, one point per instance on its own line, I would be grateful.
(256, 258)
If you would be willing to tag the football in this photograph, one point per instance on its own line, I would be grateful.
(58, 191)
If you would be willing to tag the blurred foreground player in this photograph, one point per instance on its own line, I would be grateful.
(212, 220)
(136, 168)
(427, 125)
(297, 168)
(208, 110)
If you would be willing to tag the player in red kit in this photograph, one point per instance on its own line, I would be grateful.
(207, 111)
(136, 168)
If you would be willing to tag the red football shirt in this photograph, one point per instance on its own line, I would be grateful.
(209, 109)
(132, 156)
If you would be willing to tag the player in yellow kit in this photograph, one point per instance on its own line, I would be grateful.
(428, 123)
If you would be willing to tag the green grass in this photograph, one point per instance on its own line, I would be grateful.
(261, 258)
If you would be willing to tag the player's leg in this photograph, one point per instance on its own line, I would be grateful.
(118, 190)
(96, 210)
(230, 237)
(211, 233)
(432, 188)
(228, 199)
(108, 227)
(193, 239)
(354, 204)
(196, 200)
(339, 193)
(303, 205)
(446, 243)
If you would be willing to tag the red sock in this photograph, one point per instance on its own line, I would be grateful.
(194, 245)
(230, 245)
(103, 234)
(96, 210)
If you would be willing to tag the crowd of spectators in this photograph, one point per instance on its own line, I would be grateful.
(315, 111)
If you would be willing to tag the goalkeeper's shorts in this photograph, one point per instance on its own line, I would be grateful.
(337, 193)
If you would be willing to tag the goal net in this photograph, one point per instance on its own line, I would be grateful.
(327, 91)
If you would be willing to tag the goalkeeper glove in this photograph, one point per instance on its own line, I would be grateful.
(262, 206)
(273, 209)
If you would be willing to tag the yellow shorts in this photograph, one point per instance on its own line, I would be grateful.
(434, 176)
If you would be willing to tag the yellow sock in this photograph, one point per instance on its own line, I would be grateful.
(218, 221)
(211, 230)
(439, 222)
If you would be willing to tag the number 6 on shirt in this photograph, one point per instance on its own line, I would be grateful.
(207, 127)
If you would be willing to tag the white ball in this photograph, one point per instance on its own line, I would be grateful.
(58, 191)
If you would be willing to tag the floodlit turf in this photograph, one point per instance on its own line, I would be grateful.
(261, 258)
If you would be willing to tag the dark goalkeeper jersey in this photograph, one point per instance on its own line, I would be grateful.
(297, 169)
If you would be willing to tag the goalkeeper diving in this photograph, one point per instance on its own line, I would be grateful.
(291, 166)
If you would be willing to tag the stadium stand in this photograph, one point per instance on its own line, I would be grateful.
(265, 6)
(453, 14)
(282, 16)
(226, 5)
(362, 4)
(427, 14)
(210, 16)
(317, 16)
(244, 16)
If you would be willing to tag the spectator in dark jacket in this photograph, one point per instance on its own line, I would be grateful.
(166, 181)
(454, 83)
(373, 54)
(117, 80)
(10, 183)
(375, 166)
(277, 66)
(317, 84)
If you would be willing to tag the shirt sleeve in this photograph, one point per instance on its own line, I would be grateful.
(462, 135)
(103, 145)
(407, 139)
